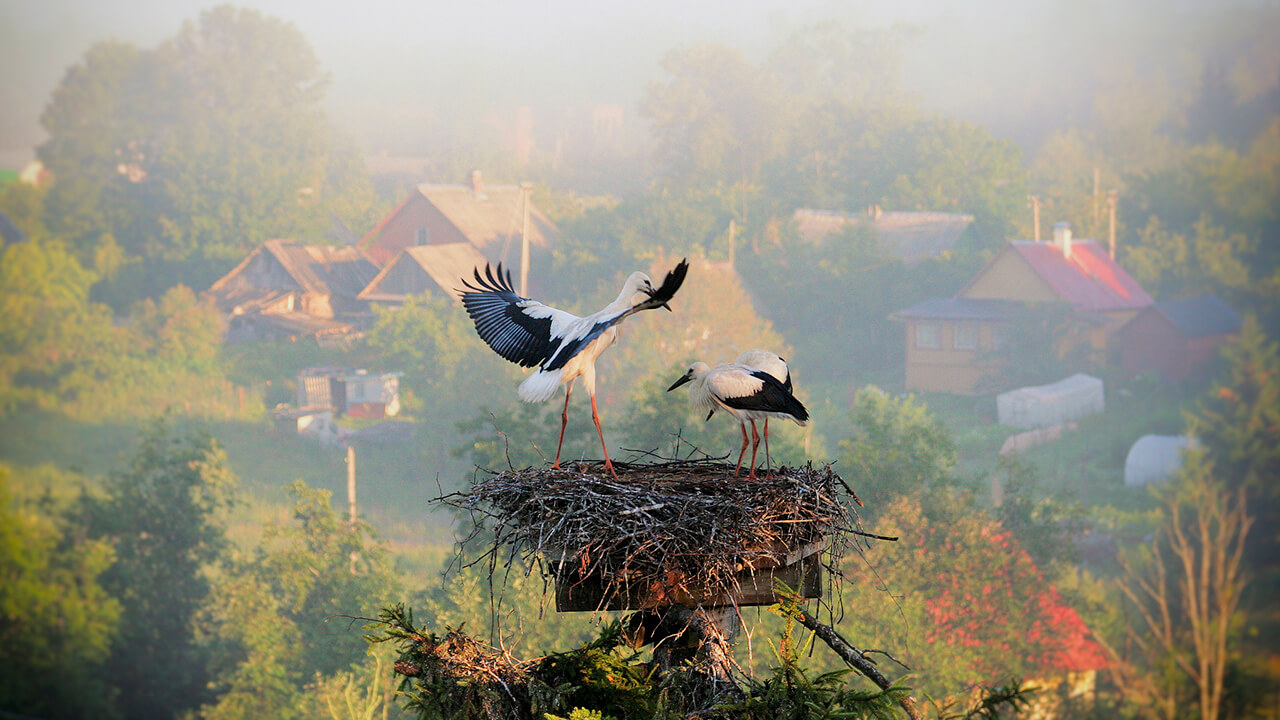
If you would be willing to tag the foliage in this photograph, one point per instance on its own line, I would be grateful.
(968, 602)
(1045, 524)
(1186, 588)
(433, 342)
(899, 447)
(57, 622)
(201, 148)
(717, 118)
(1172, 265)
(165, 518)
(44, 318)
(282, 613)
(61, 349)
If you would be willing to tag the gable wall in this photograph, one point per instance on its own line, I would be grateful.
(1009, 277)
(401, 230)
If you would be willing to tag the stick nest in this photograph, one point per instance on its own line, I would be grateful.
(687, 527)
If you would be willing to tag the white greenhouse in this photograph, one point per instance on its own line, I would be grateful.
(1053, 404)
(1154, 458)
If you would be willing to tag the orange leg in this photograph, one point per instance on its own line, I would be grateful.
(768, 462)
(564, 422)
(755, 444)
(743, 451)
(608, 465)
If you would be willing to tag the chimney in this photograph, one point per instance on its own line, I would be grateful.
(477, 184)
(1062, 238)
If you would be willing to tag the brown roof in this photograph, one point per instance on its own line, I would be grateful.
(321, 269)
(911, 236)
(447, 264)
(491, 216)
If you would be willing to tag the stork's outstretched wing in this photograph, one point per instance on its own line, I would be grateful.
(518, 329)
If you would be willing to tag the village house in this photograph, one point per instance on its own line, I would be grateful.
(495, 220)
(350, 393)
(290, 290)
(950, 342)
(432, 270)
(1178, 339)
(909, 236)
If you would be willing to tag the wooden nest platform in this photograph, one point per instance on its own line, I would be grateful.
(680, 532)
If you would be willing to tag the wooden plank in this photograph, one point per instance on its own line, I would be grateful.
(575, 593)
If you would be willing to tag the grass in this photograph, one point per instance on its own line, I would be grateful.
(394, 482)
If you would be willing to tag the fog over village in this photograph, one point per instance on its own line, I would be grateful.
(277, 440)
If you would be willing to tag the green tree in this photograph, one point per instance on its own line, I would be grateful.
(45, 317)
(1185, 589)
(165, 517)
(192, 153)
(1208, 260)
(281, 614)
(898, 447)
(717, 118)
(57, 623)
(959, 597)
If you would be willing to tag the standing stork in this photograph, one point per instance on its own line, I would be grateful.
(776, 366)
(562, 345)
(745, 393)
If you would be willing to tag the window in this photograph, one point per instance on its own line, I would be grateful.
(423, 236)
(928, 337)
(966, 337)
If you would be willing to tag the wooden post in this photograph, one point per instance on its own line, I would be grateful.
(351, 500)
(351, 486)
(733, 226)
(1035, 217)
(524, 238)
(1097, 198)
(1111, 224)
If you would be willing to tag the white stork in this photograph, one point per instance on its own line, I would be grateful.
(563, 346)
(745, 393)
(774, 365)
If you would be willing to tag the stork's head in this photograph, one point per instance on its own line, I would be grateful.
(696, 371)
(638, 287)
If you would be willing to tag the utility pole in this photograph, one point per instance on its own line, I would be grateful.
(1097, 198)
(351, 500)
(1035, 216)
(1111, 223)
(525, 187)
(733, 226)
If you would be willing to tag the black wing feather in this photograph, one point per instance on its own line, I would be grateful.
(771, 397)
(500, 321)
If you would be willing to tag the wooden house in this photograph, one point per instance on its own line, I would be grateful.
(1178, 339)
(290, 289)
(909, 236)
(490, 218)
(434, 270)
(351, 393)
(950, 342)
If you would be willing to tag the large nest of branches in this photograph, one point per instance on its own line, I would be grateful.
(682, 531)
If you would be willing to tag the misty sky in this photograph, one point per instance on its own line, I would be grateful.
(392, 62)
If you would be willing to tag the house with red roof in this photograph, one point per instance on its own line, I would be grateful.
(950, 342)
